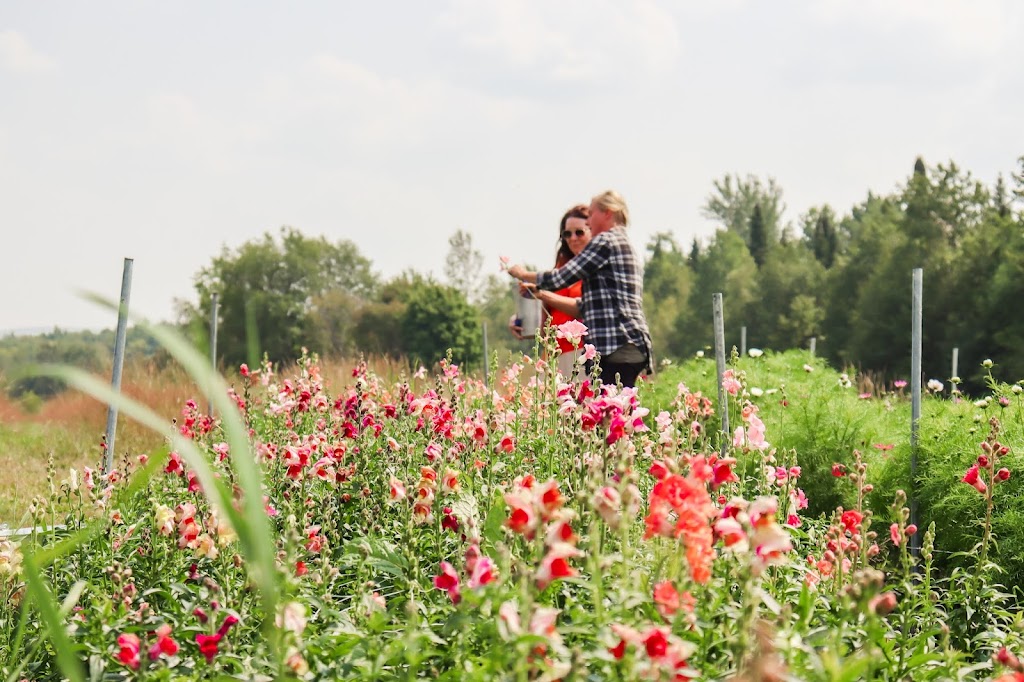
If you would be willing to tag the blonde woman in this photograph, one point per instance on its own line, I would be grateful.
(612, 299)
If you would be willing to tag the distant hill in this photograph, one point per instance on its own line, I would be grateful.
(39, 331)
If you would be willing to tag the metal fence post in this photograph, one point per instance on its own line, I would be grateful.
(743, 340)
(956, 362)
(214, 311)
(716, 305)
(814, 345)
(115, 380)
(487, 382)
(915, 391)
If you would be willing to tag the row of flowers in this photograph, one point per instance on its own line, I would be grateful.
(540, 528)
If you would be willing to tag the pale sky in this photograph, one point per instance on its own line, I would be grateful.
(163, 131)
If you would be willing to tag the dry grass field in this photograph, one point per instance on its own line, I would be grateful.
(70, 428)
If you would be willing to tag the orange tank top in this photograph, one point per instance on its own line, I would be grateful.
(557, 317)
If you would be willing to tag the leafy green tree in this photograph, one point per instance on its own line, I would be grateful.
(463, 265)
(727, 268)
(667, 282)
(88, 350)
(269, 289)
(497, 305)
(331, 330)
(378, 324)
(1001, 331)
(789, 308)
(871, 233)
(940, 210)
(733, 200)
(985, 281)
(438, 318)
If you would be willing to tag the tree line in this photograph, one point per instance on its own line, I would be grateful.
(842, 278)
(846, 280)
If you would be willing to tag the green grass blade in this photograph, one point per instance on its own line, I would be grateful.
(19, 635)
(50, 614)
(255, 532)
(256, 543)
(251, 523)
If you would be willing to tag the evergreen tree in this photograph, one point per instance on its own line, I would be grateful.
(758, 240)
(824, 241)
(694, 257)
(1001, 198)
(1018, 181)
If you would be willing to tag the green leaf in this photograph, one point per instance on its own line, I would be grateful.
(256, 541)
(50, 614)
(495, 519)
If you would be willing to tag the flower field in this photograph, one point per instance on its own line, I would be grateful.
(437, 528)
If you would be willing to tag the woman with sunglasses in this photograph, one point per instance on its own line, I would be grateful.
(561, 305)
(613, 288)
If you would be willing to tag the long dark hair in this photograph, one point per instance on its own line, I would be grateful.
(564, 253)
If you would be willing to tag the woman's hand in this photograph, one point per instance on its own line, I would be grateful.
(527, 290)
(521, 273)
(515, 328)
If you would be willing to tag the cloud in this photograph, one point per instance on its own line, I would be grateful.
(17, 56)
(570, 41)
(374, 110)
(979, 28)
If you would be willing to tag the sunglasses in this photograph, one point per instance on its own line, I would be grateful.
(568, 233)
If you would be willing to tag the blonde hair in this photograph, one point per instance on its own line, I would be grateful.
(613, 202)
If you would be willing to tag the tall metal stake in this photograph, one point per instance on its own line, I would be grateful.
(743, 340)
(814, 345)
(716, 304)
(956, 362)
(115, 381)
(915, 396)
(214, 298)
(487, 359)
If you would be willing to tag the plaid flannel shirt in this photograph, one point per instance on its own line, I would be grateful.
(613, 291)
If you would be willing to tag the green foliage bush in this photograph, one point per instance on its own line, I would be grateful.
(824, 422)
(817, 413)
(949, 443)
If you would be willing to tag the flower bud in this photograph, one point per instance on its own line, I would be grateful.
(1003, 474)
(1004, 657)
(884, 603)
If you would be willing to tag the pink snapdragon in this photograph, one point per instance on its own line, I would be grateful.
(128, 650)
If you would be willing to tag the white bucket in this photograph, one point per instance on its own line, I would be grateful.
(528, 314)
